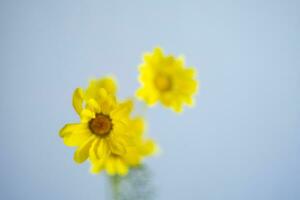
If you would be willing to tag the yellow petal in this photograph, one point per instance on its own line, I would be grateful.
(93, 150)
(189, 101)
(147, 94)
(121, 167)
(96, 167)
(111, 166)
(77, 138)
(106, 101)
(138, 125)
(71, 128)
(167, 99)
(78, 100)
(133, 157)
(103, 149)
(93, 106)
(107, 83)
(122, 110)
(82, 153)
(117, 146)
(177, 106)
(148, 148)
(86, 115)
(158, 53)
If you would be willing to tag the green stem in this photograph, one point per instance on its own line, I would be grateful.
(115, 183)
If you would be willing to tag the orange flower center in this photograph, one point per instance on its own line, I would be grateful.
(100, 125)
(163, 82)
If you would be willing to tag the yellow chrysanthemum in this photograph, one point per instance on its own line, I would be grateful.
(103, 129)
(166, 79)
(120, 164)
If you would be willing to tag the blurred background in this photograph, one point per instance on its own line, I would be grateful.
(241, 141)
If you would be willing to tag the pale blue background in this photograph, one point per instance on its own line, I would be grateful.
(242, 140)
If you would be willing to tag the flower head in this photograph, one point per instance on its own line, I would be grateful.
(103, 128)
(120, 164)
(167, 80)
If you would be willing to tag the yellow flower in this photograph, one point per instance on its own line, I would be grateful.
(103, 128)
(120, 164)
(166, 79)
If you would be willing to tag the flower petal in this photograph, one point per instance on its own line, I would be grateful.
(147, 94)
(110, 166)
(97, 166)
(138, 125)
(68, 128)
(148, 148)
(77, 138)
(158, 53)
(86, 115)
(106, 101)
(78, 100)
(103, 149)
(93, 150)
(117, 146)
(82, 153)
(107, 83)
(93, 106)
(121, 167)
(122, 110)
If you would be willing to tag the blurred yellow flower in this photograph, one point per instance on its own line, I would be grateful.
(166, 79)
(120, 164)
(103, 128)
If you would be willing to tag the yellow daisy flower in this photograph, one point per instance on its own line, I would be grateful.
(120, 164)
(103, 128)
(166, 79)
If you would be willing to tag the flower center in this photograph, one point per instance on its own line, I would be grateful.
(163, 82)
(100, 125)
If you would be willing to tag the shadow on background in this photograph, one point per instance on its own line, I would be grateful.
(135, 186)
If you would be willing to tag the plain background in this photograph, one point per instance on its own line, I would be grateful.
(242, 139)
